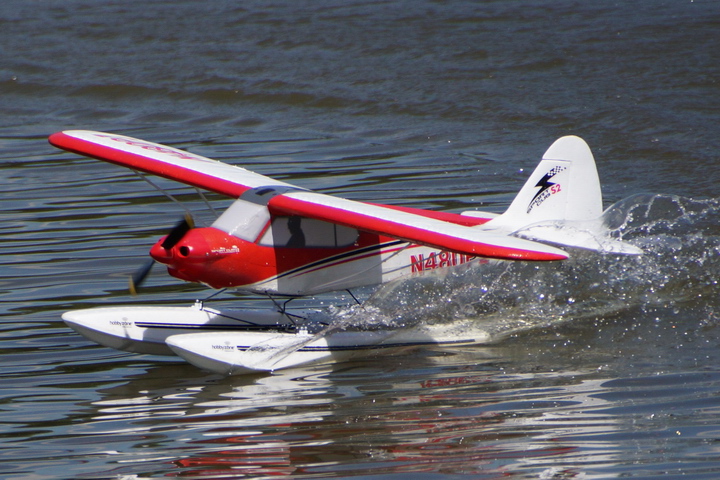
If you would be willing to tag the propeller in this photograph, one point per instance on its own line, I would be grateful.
(178, 231)
(172, 238)
(138, 277)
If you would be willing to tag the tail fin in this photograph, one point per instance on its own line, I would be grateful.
(561, 202)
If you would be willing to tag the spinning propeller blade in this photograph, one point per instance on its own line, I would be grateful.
(139, 277)
(178, 231)
(172, 238)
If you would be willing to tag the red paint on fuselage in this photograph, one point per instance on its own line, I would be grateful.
(215, 258)
(220, 260)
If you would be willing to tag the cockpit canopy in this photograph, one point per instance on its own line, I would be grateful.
(253, 223)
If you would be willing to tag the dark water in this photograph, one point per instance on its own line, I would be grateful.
(603, 367)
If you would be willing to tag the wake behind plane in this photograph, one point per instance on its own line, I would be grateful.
(278, 239)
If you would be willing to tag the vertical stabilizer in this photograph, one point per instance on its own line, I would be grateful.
(564, 186)
(561, 203)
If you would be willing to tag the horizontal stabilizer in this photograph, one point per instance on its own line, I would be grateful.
(578, 235)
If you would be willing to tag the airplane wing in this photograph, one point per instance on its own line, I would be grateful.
(163, 161)
(411, 227)
(285, 199)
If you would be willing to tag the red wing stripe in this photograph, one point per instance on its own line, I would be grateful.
(465, 220)
(161, 160)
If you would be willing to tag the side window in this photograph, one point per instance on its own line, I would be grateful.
(298, 232)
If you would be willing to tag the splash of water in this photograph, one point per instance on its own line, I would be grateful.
(681, 266)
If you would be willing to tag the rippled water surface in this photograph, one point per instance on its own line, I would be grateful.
(601, 367)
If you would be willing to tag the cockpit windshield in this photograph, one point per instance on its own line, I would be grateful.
(244, 220)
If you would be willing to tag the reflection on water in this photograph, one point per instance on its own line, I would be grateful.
(389, 418)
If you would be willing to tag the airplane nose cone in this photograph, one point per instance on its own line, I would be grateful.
(193, 257)
(198, 245)
(160, 254)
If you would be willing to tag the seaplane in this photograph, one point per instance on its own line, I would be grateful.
(284, 241)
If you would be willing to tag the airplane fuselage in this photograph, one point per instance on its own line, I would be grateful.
(293, 256)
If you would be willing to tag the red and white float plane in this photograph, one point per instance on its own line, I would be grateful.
(279, 239)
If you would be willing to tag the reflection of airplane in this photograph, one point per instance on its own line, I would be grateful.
(434, 414)
(278, 239)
